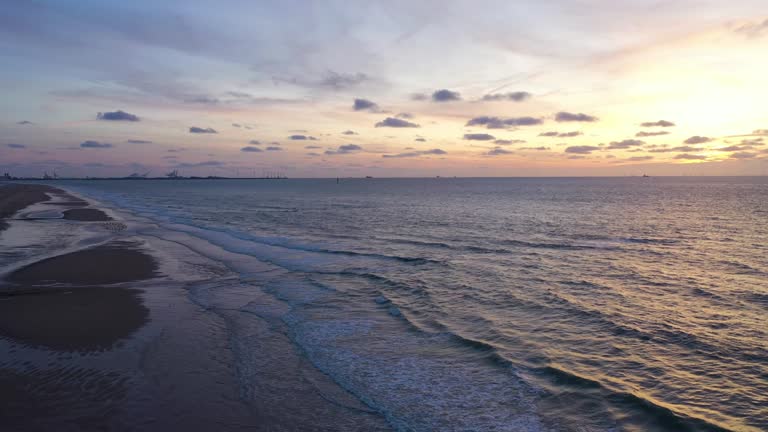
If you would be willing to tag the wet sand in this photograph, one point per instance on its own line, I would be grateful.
(86, 215)
(67, 305)
(86, 398)
(81, 319)
(14, 197)
(114, 262)
(82, 315)
(75, 203)
(99, 339)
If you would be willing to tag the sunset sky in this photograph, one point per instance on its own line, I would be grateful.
(384, 88)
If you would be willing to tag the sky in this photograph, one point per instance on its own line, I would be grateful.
(384, 88)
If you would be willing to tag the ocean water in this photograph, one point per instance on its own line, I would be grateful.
(605, 304)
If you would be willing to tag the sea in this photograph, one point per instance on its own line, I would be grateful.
(486, 304)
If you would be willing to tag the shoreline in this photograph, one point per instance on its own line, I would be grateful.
(16, 197)
(102, 335)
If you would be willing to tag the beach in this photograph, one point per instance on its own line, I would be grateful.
(18, 196)
(99, 335)
(384, 304)
(60, 305)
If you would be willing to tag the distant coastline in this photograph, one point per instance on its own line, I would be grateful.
(139, 178)
(9, 178)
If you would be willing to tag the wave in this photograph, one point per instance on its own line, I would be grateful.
(700, 292)
(652, 414)
(291, 244)
(156, 212)
(501, 250)
(411, 260)
(758, 298)
(480, 248)
(404, 375)
(439, 245)
(660, 334)
(647, 411)
(282, 242)
(639, 240)
(558, 246)
(651, 241)
(741, 268)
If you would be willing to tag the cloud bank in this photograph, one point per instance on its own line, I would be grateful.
(686, 156)
(364, 105)
(563, 116)
(585, 149)
(658, 123)
(199, 130)
(502, 123)
(416, 153)
(518, 96)
(479, 137)
(498, 151)
(344, 149)
(625, 144)
(643, 134)
(560, 134)
(95, 145)
(697, 140)
(508, 142)
(396, 123)
(117, 116)
(445, 95)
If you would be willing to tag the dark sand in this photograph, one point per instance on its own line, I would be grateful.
(114, 262)
(66, 196)
(14, 197)
(81, 313)
(86, 215)
(64, 399)
(68, 330)
(76, 319)
(83, 317)
(75, 203)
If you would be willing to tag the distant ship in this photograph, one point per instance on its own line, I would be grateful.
(646, 175)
